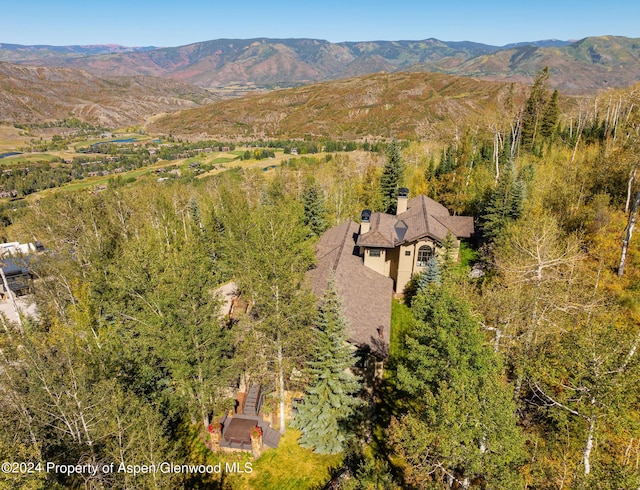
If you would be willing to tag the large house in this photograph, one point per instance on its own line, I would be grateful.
(371, 260)
(366, 294)
(400, 246)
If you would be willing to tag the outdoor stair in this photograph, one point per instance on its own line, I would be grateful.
(270, 437)
(253, 402)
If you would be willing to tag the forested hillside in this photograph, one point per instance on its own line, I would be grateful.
(523, 374)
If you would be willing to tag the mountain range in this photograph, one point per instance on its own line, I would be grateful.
(343, 90)
(239, 65)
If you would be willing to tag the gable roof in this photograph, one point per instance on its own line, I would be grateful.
(366, 294)
(424, 217)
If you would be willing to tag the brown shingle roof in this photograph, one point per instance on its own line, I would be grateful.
(424, 217)
(366, 295)
(381, 233)
(460, 226)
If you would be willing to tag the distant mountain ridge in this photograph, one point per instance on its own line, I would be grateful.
(582, 66)
(585, 65)
(45, 54)
(81, 49)
(545, 43)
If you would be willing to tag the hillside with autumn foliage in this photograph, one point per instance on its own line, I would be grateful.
(512, 364)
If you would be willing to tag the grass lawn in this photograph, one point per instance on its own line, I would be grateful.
(12, 138)
(401, 321)
(29, 158)
(288, 467)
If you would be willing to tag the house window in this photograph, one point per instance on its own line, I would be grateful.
(407, 252)
(374, 252)
(424, 254)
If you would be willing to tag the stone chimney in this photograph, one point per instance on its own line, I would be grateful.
(365, 222)
(403, 199)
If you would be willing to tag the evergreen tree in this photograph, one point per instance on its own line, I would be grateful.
(447, 162)
(329, 400)
(430, 275)
(368, 473)
(392, 177)
(505, 202)
(315, 212)
(550, 116)
(430, 171)
(450, 250)
(460, 424)
(534, 108)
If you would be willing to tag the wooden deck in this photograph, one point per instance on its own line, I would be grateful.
(236, 429)
(236, 432)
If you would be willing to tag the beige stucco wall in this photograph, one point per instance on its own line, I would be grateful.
(407, 264)
(376, 263)
(395, 263)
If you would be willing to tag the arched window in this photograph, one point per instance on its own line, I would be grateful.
(424, 254)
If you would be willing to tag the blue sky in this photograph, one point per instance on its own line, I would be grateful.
(174, 23)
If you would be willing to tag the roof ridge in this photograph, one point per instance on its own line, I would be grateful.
(438, 219)
(341, 247)
(425, 213)
(329, 252)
